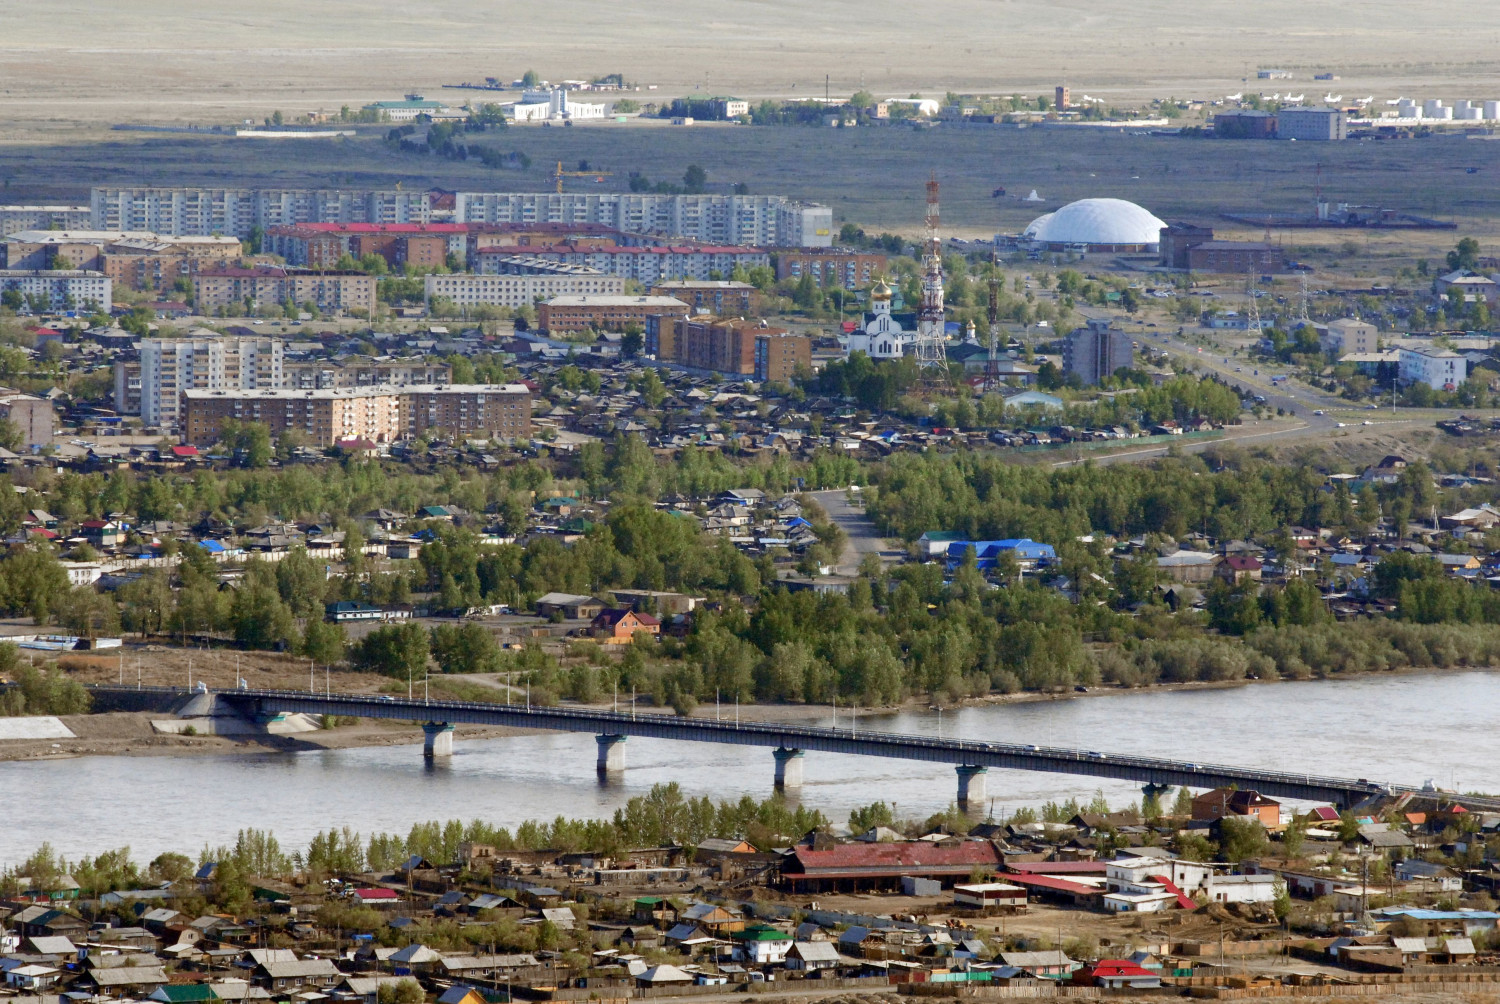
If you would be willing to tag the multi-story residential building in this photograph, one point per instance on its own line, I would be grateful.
(170, 366)
(467, 411)
(60, 289)
(88, 248)
(320, 245)
(14, 219)
(518, 290)
(1440, 369)
(779, 355)
(240, 211)
(362, 371)
(1096, 350)
(32, 415)
(562, 314)
(643, 264)
(1351, 336)
(743, 220)
(849, 269)
(243, 289)
(128, 386)
(720, 297)
(723, 346)
(380, 414)
(524, 235)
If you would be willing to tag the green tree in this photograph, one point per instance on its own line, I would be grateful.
(259, 617)
(323, 642)
(465, 648)
(1464, 256)
(395, 650)
(870, 816)
(694, 179)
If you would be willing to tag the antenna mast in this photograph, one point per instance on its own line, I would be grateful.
(992, 365)
(1252, 309)
(931, 341)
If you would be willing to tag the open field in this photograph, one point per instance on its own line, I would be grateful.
(85, 60)
(870, 176)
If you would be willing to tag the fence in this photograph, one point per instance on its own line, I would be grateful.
(982, 991)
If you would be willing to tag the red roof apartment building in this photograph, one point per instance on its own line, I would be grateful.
(321, 245)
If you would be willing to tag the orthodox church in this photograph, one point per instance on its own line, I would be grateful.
(882, 336)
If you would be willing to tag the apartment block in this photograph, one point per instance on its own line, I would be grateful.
(849, 269)
(242, 288)
(172, 366)
(314, 374)
(1095, 351)
(518, 290)
(644, 264)
(238, 212)
(1440, 369)
(60, 289)
(562, 314)
(779, 355)
(320, 245)
(14, 219)
(128, 386)
(32, 415)
(744, 220)
(380, 414)
(720, 297)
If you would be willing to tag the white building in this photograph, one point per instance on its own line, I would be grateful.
(14, 219)
(238, 211)
(1241, 889)
(1440, 369)
(60, 289)
(882, 336)
(553, 104)
(1350, 335)
(648, 265)
(170, 366)
(518, 290)
(743, 220)
(1137, 874)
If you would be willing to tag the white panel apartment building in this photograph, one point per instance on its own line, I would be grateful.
(170, 366)
(236, 211)
(1440, 369)
(644, 264)
(62, 289)
(14, 219)
(753, 220)
(517, 290)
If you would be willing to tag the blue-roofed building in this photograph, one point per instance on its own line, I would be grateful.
(1028, 553)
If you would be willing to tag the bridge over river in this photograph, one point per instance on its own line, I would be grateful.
(788, 743)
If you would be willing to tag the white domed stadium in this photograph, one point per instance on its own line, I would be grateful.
(1097, 225)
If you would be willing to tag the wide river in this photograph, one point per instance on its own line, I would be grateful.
(1405, 729)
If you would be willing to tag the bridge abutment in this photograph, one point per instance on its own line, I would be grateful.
(788, 768)
(438, 739)
(971, 793)
(611, 753)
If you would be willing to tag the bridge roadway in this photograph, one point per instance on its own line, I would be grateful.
(789, 742)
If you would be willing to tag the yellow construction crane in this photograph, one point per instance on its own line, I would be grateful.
(560, 174)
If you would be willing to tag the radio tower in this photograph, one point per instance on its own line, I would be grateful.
(992, 365)
(1252, 309)
(1302, 300)
(931, 342)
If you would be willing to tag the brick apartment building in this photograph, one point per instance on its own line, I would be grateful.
(779, 356)
(263, 285)
(381, 414)
(321, 245)
(849, 269)
(720, 297)
(746, 348)
(562, 314)
(523, 235)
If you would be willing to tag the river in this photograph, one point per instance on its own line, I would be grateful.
(1400, 728)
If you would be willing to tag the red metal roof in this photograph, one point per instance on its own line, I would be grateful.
(1116, 968)
(376, 894)
(891, 858)
(1052, 884)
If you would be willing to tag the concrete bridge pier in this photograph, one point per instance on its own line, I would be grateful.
(788, 768)
(438, 739)
(971, 786)
(611, 753)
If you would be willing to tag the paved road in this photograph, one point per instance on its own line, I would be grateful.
(862, 536)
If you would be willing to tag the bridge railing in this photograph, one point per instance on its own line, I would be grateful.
(602, 720)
